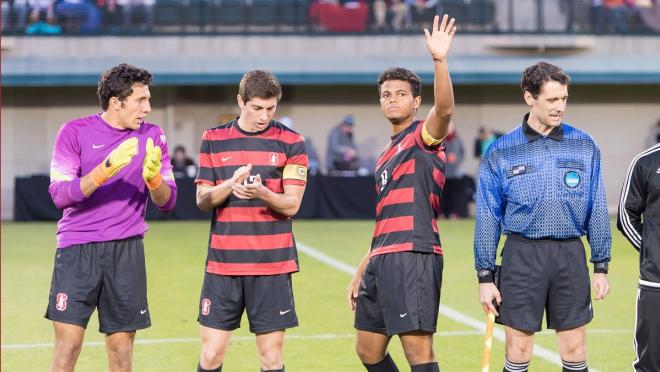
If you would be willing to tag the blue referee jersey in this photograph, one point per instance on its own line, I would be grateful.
(541, 187)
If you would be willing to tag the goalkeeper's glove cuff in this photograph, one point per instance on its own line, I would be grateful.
(155, 182)
(98, 175)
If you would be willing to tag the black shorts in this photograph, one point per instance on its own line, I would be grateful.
(399, 293)
(110, 276)
(550, 275)
(267, 299)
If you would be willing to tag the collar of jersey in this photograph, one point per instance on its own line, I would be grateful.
(557, 133)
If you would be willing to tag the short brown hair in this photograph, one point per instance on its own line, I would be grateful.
(259, 83)
(118, 82)
(403, 74)
(535, 76)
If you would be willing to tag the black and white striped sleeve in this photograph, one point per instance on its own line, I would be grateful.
(632, 203)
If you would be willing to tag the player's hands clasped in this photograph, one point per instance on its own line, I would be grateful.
(151, 165)
(487, 293)
(439, 39)
(119, 158)
(249, 190)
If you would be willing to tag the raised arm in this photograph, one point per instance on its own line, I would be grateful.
(438, 42)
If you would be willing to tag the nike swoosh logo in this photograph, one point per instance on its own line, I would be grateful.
(143, 311)
(227, 158)
(402, 315)
(284, 312)
(97, 146)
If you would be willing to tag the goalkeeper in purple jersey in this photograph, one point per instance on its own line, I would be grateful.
(104, 169)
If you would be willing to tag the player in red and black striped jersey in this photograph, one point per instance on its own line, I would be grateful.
(396, 290)
(252, 172)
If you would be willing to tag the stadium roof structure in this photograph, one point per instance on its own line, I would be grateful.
(481, 67)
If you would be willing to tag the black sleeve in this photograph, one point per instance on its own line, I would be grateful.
(632, 204)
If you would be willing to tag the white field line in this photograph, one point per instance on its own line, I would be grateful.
(322, 336)
(450, 313)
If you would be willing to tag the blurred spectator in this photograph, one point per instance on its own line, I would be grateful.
(138, 13)
(78, 16)
(314, 166)
(454, 196)
(342, 154)
(578, 14)
(19, 9)
(398, 11)
(110, 14)
(649, 13)
(484, 139)
(182, 165)
(41, 24)
(619, 13)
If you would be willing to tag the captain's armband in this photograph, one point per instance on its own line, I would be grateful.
(428, 139)
(295, 172)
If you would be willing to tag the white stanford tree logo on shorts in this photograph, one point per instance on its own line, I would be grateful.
(60, 304)
(206, 306)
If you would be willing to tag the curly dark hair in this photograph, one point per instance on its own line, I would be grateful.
(400, 73)
(535, 76)
(259, 83)
(118, 82)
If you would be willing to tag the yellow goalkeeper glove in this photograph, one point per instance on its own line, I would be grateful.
(151, 166)
(119, 158)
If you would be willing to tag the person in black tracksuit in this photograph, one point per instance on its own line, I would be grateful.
(638, 220)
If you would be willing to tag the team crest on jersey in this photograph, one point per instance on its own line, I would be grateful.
(60, 301)
(572, 179)
(206, 306)
(273, 158)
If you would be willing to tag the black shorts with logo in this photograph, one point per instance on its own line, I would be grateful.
(544, 274)
(399, 293)
(267, 299)
(110, 276)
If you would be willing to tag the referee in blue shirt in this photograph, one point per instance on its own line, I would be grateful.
(540, 185)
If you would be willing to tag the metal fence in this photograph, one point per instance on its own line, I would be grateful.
(130, 17)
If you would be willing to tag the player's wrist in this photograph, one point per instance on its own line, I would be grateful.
(601, 267)
(99, 175)
(486, 276)
(155, 182)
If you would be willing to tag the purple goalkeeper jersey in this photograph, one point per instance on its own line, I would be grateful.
(116, 209)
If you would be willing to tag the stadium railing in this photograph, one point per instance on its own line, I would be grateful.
(167, 17)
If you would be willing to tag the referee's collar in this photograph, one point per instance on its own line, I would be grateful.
(557, 133)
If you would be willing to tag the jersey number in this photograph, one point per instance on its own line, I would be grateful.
(383, 180)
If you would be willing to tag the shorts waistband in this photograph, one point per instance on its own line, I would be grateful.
(543, 240)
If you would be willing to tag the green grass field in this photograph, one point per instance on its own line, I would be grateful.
(324, 341)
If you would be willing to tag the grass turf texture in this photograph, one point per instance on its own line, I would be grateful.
(175, 253)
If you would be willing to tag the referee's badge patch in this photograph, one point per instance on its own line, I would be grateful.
(572, 179)
(518, 170)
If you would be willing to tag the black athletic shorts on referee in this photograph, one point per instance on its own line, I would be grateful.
(399, 293)
(267, 299)
(110, 276)
(544, 275)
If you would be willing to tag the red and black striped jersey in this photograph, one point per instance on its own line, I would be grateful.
(247, 237)
(409, 181)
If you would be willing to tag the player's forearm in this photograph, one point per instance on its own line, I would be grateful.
(443, 100)
(283, 204)
(210, 197)
(66, 193)
(161, 196)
